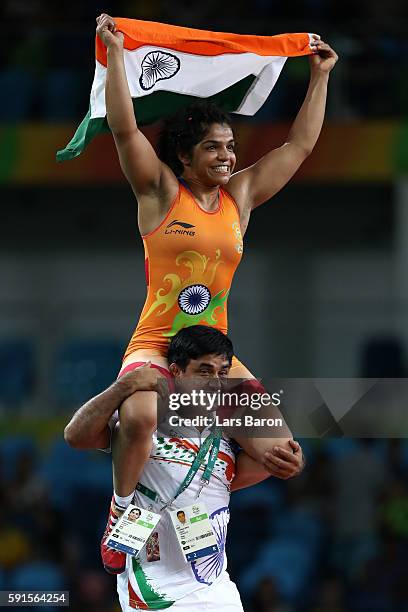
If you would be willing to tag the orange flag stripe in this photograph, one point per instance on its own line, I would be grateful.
(201, 42)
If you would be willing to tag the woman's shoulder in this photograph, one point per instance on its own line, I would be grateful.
(229, 196)
(155, 208)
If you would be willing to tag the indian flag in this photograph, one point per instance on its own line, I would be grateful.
(169, 67)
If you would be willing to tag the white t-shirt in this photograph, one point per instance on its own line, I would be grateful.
(160, 582)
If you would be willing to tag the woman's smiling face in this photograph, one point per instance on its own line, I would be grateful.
(213, 159)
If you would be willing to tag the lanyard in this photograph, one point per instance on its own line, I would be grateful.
(212, 442)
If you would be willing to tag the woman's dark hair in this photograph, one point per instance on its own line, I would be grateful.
(183, 130)
(198, 340)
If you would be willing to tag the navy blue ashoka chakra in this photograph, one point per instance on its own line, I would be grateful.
(157, 66)
(194, 299)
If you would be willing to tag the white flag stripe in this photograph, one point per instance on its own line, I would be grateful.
(198, 76)
(261, 87)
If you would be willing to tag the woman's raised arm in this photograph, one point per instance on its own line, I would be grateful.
(258, 183)
(140, 164)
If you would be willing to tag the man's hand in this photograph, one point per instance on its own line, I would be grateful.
(107, 32)
(324, 57)
(144, 378)
(283, 463)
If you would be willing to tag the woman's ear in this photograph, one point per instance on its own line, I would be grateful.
(184, 158)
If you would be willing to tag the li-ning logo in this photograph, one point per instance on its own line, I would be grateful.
(185, 231)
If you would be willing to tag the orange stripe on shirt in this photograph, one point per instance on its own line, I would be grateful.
(230, 469)
(135, 601)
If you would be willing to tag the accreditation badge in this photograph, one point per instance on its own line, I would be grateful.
(194, 531)
(132, 530)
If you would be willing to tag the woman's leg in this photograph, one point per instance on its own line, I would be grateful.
(131, 445)
(132, 438)
(256, 447)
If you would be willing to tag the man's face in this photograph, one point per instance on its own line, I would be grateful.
(181, 517)
(206, 372)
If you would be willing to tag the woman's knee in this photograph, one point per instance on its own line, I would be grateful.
(138, 414)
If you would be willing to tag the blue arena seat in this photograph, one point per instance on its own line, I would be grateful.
(310, 449)
(304, 526)
(10, 449)
(338, 447)
(264, 501)
(39, 576)
(288, 562)
(267, 493)
(68, 470)
(18, 87)
(84, 368)
(16, 371)
(62, 95)
(12, 446)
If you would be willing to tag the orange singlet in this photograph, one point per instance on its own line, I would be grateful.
(190, 261)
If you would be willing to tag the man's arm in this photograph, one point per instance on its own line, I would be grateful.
(279, 462)
(279, 437)
(89, 426)
(248, 472)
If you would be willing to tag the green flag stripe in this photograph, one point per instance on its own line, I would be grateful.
(86, 131)
(149, 109)
(160, 104)
(154, 600)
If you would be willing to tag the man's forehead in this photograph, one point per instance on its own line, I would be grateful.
(211, 360)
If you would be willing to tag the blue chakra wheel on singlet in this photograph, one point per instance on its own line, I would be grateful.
(207, 569)
(194, 299)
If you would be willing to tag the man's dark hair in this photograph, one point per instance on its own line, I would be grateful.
(186, 128)
(198, 340)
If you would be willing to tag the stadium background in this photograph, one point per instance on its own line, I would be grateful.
(322, 292)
